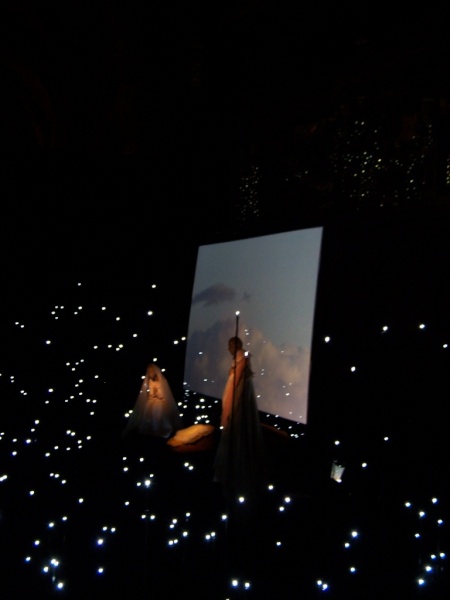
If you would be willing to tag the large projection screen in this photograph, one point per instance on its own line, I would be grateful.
(264, 290)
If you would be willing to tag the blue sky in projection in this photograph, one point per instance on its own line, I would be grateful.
(271, 281)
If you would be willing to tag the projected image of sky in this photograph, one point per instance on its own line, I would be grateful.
(271, 282)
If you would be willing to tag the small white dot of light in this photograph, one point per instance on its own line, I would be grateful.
(408, 504)
(241, 499)
(364, 465)
(281, 508)
(434, 500)
(352, 570)
(143, 517)
(224, 517)
(337, 442)
(445, 346)
(54, 562)
(100, 570)
(422, 513)
(247, 585)
(428, 568)
(287, 499)
(422, 326)
(386, 439)
(45, 569)
(270, 487)
(80, 500)
(150, 312)
(127, 503)
(100, 542)
(48, 342)
(385, 328)
(14, 453)
(319, 582)
(440, 522)
(51, 525)
(278, 543)
(327, 339)
(354, 534)
(60, 585)
(442, 555)
(31, 492)
(234, 582)
(352, 369)
(64, 519)
(37, 542)
(325, 586)
(28, 559)
(185, 533)
(421, 581)
(47, 454)
(347, 545)
(171, 526)
(147, 483)
(126, 469)
(417, 535)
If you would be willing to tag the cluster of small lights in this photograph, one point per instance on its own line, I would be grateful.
(53, 441)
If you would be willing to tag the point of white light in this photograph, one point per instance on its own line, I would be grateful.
(352, 369)
(327, 339)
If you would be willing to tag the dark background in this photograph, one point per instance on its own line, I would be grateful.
(130, 135)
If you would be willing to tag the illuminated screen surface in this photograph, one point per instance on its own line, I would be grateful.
(270, 281)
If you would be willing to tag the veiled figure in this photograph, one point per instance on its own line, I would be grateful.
(155, 411)
(239, 460)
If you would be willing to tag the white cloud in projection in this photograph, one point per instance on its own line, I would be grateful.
(271, 282)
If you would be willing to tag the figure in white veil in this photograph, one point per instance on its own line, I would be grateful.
(155, 411)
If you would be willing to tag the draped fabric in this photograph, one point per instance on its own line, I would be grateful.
(239, 461)
(155, 411)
